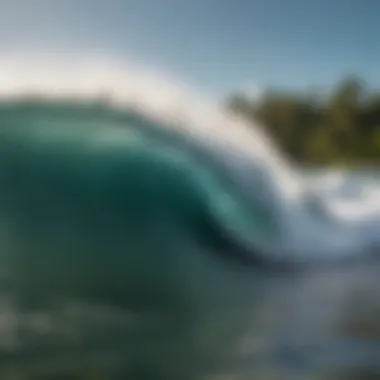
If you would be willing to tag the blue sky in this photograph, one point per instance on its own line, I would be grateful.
(218, 45)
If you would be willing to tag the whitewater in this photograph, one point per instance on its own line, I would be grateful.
(235, 185)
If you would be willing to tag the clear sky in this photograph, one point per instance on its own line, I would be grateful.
(218, 45)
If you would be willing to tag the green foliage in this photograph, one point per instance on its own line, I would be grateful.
(341, 129)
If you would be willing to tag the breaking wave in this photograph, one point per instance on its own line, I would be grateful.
(248, 156)
(122, 186)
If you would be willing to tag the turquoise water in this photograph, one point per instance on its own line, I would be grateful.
(104, 210)
(122, 256)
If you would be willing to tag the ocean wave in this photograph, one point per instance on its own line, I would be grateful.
(247, 154)
(121, 188)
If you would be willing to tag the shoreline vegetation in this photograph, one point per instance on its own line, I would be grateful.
(339, 129)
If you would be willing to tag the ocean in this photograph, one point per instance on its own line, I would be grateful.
(143, 244)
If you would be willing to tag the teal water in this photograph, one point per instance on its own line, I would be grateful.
(103, 209)
(121, 258)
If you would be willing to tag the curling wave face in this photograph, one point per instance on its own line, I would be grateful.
(310, 228)
(169, 213)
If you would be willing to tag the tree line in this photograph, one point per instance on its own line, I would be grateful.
(342, 128)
